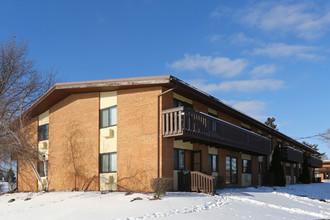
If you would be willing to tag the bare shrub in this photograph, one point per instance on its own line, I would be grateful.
(220, 182)
(160, 186)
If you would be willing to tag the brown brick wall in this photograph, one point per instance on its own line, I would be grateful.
(200, 107)
(222, 163)
(74, 143)
(137, 138)
(298, 172)
(229, 118)
(167, 159)
(292, 173)
(26, 179)
(255, 170)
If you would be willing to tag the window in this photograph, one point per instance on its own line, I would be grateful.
(246, 166)
(179, 103)
(41, 168)
(288, 171)
(261, 164)
(213, 162)
(43, 131)
(108, 117)
(179, 159)
(108, 162)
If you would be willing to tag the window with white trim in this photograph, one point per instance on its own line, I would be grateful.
(108, 162)
(108, 117)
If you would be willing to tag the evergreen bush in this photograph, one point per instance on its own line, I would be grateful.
(276, 168)
(305, 177)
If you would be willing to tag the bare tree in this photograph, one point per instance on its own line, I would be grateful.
(21, 84)
(325, 136)
(270, 122)
(315, 147)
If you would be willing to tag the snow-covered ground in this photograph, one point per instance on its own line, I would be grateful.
(291, 202)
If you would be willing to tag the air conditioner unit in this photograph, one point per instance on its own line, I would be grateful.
(44, 145)
(111, 180)
(111, 133)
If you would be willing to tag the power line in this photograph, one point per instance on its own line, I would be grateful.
(313, 136)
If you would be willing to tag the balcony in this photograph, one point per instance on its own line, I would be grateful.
(291, 154)
(324, 169)
(189, 125)
(314, 162)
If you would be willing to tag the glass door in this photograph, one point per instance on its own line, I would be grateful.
(231, 170)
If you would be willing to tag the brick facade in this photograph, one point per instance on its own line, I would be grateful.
(74, 143)
(26, 179)
(137, 138)
(166, 144)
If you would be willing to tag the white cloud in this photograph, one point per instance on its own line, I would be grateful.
(221, 11)
(253, 108)
(214, 37)
(240, 38)
(251, 85)
(298, 19)
(202, 85)
(263, 70)
(285, 50)
(221, 66)
(239, 85)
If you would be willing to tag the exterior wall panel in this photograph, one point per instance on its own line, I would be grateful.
(137, 138)
(74, 143)
(26, 179)
(108, 141)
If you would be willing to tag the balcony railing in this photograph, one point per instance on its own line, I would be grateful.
(187, 124)
(324, 169)
(314, 162)
(292, 155)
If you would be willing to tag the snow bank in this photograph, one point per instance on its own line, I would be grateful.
(254, 203)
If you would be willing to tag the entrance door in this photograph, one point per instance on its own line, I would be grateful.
(188, 160)
(231, 170)
(197, 160)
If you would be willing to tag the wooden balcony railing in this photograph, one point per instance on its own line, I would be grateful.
(187, 124)
(324, 169)
(201, 182)
(314, 162)
(292, 155)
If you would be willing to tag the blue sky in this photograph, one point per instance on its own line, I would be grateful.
(265, 59)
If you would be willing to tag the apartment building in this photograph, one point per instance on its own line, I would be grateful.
(119, 134)
(324, 171)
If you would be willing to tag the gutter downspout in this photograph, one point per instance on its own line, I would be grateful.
(158, 130)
